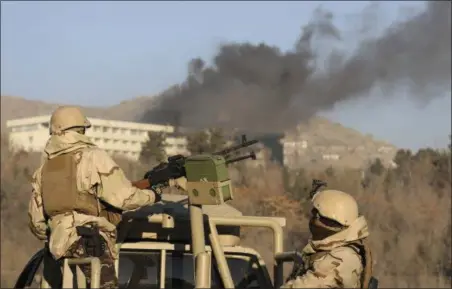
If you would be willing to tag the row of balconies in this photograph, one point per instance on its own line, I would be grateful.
(95, 130)
(36, 140)
(118, 131)
(27, 128)
(133, 145)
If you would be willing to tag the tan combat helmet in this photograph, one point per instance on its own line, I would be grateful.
(336, 205)
(66, 117)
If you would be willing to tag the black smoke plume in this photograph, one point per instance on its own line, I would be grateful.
(260, 88)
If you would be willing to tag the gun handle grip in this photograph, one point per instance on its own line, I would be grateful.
(141, 184)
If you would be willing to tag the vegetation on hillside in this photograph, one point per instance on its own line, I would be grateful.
(408, 210)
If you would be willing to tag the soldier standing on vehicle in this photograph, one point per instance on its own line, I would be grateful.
(337, 255)
(79, 194)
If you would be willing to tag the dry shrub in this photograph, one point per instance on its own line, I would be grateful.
(17, 243)
(408, 210)
(261, 192)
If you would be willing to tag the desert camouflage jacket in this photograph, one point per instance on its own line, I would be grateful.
(98, 174)
(330, 263)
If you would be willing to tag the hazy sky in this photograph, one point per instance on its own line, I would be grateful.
(100, 53)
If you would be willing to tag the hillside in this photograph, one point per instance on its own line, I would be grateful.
(319, 132)
(333, 144)
(18, 107)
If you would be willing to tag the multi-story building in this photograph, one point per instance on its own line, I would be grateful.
(116, 137)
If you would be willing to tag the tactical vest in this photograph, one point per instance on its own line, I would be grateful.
(60, 194)
(360, 247)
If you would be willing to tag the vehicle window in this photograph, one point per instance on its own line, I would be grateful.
(142, 270)
(179, 270)
(244, 273)
(139, 270)
(180, 273)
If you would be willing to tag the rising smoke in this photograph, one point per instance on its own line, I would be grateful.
(260, 88)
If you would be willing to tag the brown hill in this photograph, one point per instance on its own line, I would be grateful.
(17, 107)
(324, 136)
(330, 143)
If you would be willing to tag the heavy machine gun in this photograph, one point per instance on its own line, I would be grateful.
(191, 166)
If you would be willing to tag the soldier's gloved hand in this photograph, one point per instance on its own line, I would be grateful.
(180, 183)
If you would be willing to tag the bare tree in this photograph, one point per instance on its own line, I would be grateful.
(206, 141)
(153, 150)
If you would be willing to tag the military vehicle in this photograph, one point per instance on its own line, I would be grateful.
(184, 241)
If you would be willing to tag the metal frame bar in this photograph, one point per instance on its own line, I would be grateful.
(68, 275)
(162, 268)
(272, 223)
(218, 253)
(266, 222)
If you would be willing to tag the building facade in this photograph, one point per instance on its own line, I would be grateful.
(121, 138)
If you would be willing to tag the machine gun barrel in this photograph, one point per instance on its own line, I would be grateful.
(245, 143)
(252, 156)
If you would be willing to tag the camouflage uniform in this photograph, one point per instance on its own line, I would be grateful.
(107, 275)
(340, 258)
(96, 174)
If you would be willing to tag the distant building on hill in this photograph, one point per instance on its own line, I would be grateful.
(116, 137)
(320, 142)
